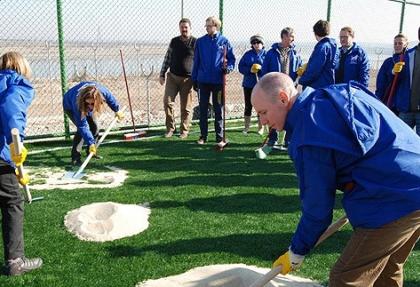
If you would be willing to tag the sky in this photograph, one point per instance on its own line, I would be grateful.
(375, 21)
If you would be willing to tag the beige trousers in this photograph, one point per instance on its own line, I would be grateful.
(183, 86)
(375, 257)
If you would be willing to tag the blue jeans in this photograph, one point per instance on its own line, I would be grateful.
(273, 137)
(204, 91)
(412, 120)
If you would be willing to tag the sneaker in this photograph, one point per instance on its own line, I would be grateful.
(169, 134)
(21, 265)
(76, 162)
(201, 141)
(183, 135)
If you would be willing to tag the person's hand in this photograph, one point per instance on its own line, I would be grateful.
(226, 71)
(119, 115)
(398, 67)
(288, 261)
(24, 179)
(195, 86)
(18, 159)
(301, 70)
(255, 68)
(92, 149)
(161, 80)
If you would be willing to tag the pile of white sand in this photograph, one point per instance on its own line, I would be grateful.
(107, 221)
(228, 275)
(50, 178)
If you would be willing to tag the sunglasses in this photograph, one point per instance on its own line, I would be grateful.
(90, 104)
(256, 42)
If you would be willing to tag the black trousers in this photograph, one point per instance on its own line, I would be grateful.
(78, 139)
(12, 210)
(248, 104)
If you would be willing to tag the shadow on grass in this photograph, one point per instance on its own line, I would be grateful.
(237, 203)
(264, 246)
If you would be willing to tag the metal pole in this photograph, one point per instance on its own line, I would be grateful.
(329, 10)
(62, 63)
(182, 9)
(221, 14)
(402, 15)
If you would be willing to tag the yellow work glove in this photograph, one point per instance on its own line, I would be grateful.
(92, 149)
(255, 68)
(18, 159)
(398, 67)
(301, 70)
(119, 115)
(24, 179)
(288, 261)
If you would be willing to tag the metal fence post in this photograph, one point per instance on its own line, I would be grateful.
(221, 14)
(402, 15)
(62, 63)
(329, 10)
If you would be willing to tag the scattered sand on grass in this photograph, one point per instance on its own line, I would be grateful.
(107, 221)
(50, 178)
(227, 275)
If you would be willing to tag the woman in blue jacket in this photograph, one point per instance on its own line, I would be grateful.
(250, 66)
(82, 104)
(16, 94)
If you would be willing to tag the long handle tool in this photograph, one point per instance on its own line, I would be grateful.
(327, 233)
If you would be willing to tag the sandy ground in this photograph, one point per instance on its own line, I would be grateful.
(228, 275)
(107, 221)
(51, 178)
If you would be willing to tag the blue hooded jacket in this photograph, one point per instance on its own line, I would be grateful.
(356, 66)
(402, 93)
(320, 71)
(70, 105)
(16, 94)
(208, 59)
(272, 61)
(343, 134)
(248, 59)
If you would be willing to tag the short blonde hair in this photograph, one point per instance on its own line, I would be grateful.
(15, 61)
(89, 92)
(215, 21)
(348, 30)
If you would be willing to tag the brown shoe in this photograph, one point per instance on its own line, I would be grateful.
(169, 134)
(21, 265)
(183, 135)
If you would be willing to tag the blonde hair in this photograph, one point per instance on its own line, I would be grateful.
(214, 21)
(15, 61)
(89, 92)
(348, 30)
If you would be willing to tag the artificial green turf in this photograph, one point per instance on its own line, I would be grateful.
(207, 207)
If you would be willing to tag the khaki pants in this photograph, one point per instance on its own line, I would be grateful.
(183, 86)
(375, 257)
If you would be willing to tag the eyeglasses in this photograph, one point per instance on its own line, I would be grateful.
(256, 42)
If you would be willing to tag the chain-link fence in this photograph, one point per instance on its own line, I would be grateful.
(94, 32)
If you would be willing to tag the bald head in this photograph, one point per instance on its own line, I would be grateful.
(272, 98)
(272, 83)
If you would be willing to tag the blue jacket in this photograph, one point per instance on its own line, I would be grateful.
(356, 66)
(248, 59)
(16, 94)
(70, 105)
(402, 93)
(320, 71)
(208, 59)
(272, 61)
(343, 134)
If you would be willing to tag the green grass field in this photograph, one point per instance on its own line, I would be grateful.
(207, 208)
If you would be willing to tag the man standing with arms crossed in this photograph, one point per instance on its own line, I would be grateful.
(179, 60)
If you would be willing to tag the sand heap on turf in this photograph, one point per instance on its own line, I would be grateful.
(51, 178)
(229, 275)
(107, 221)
